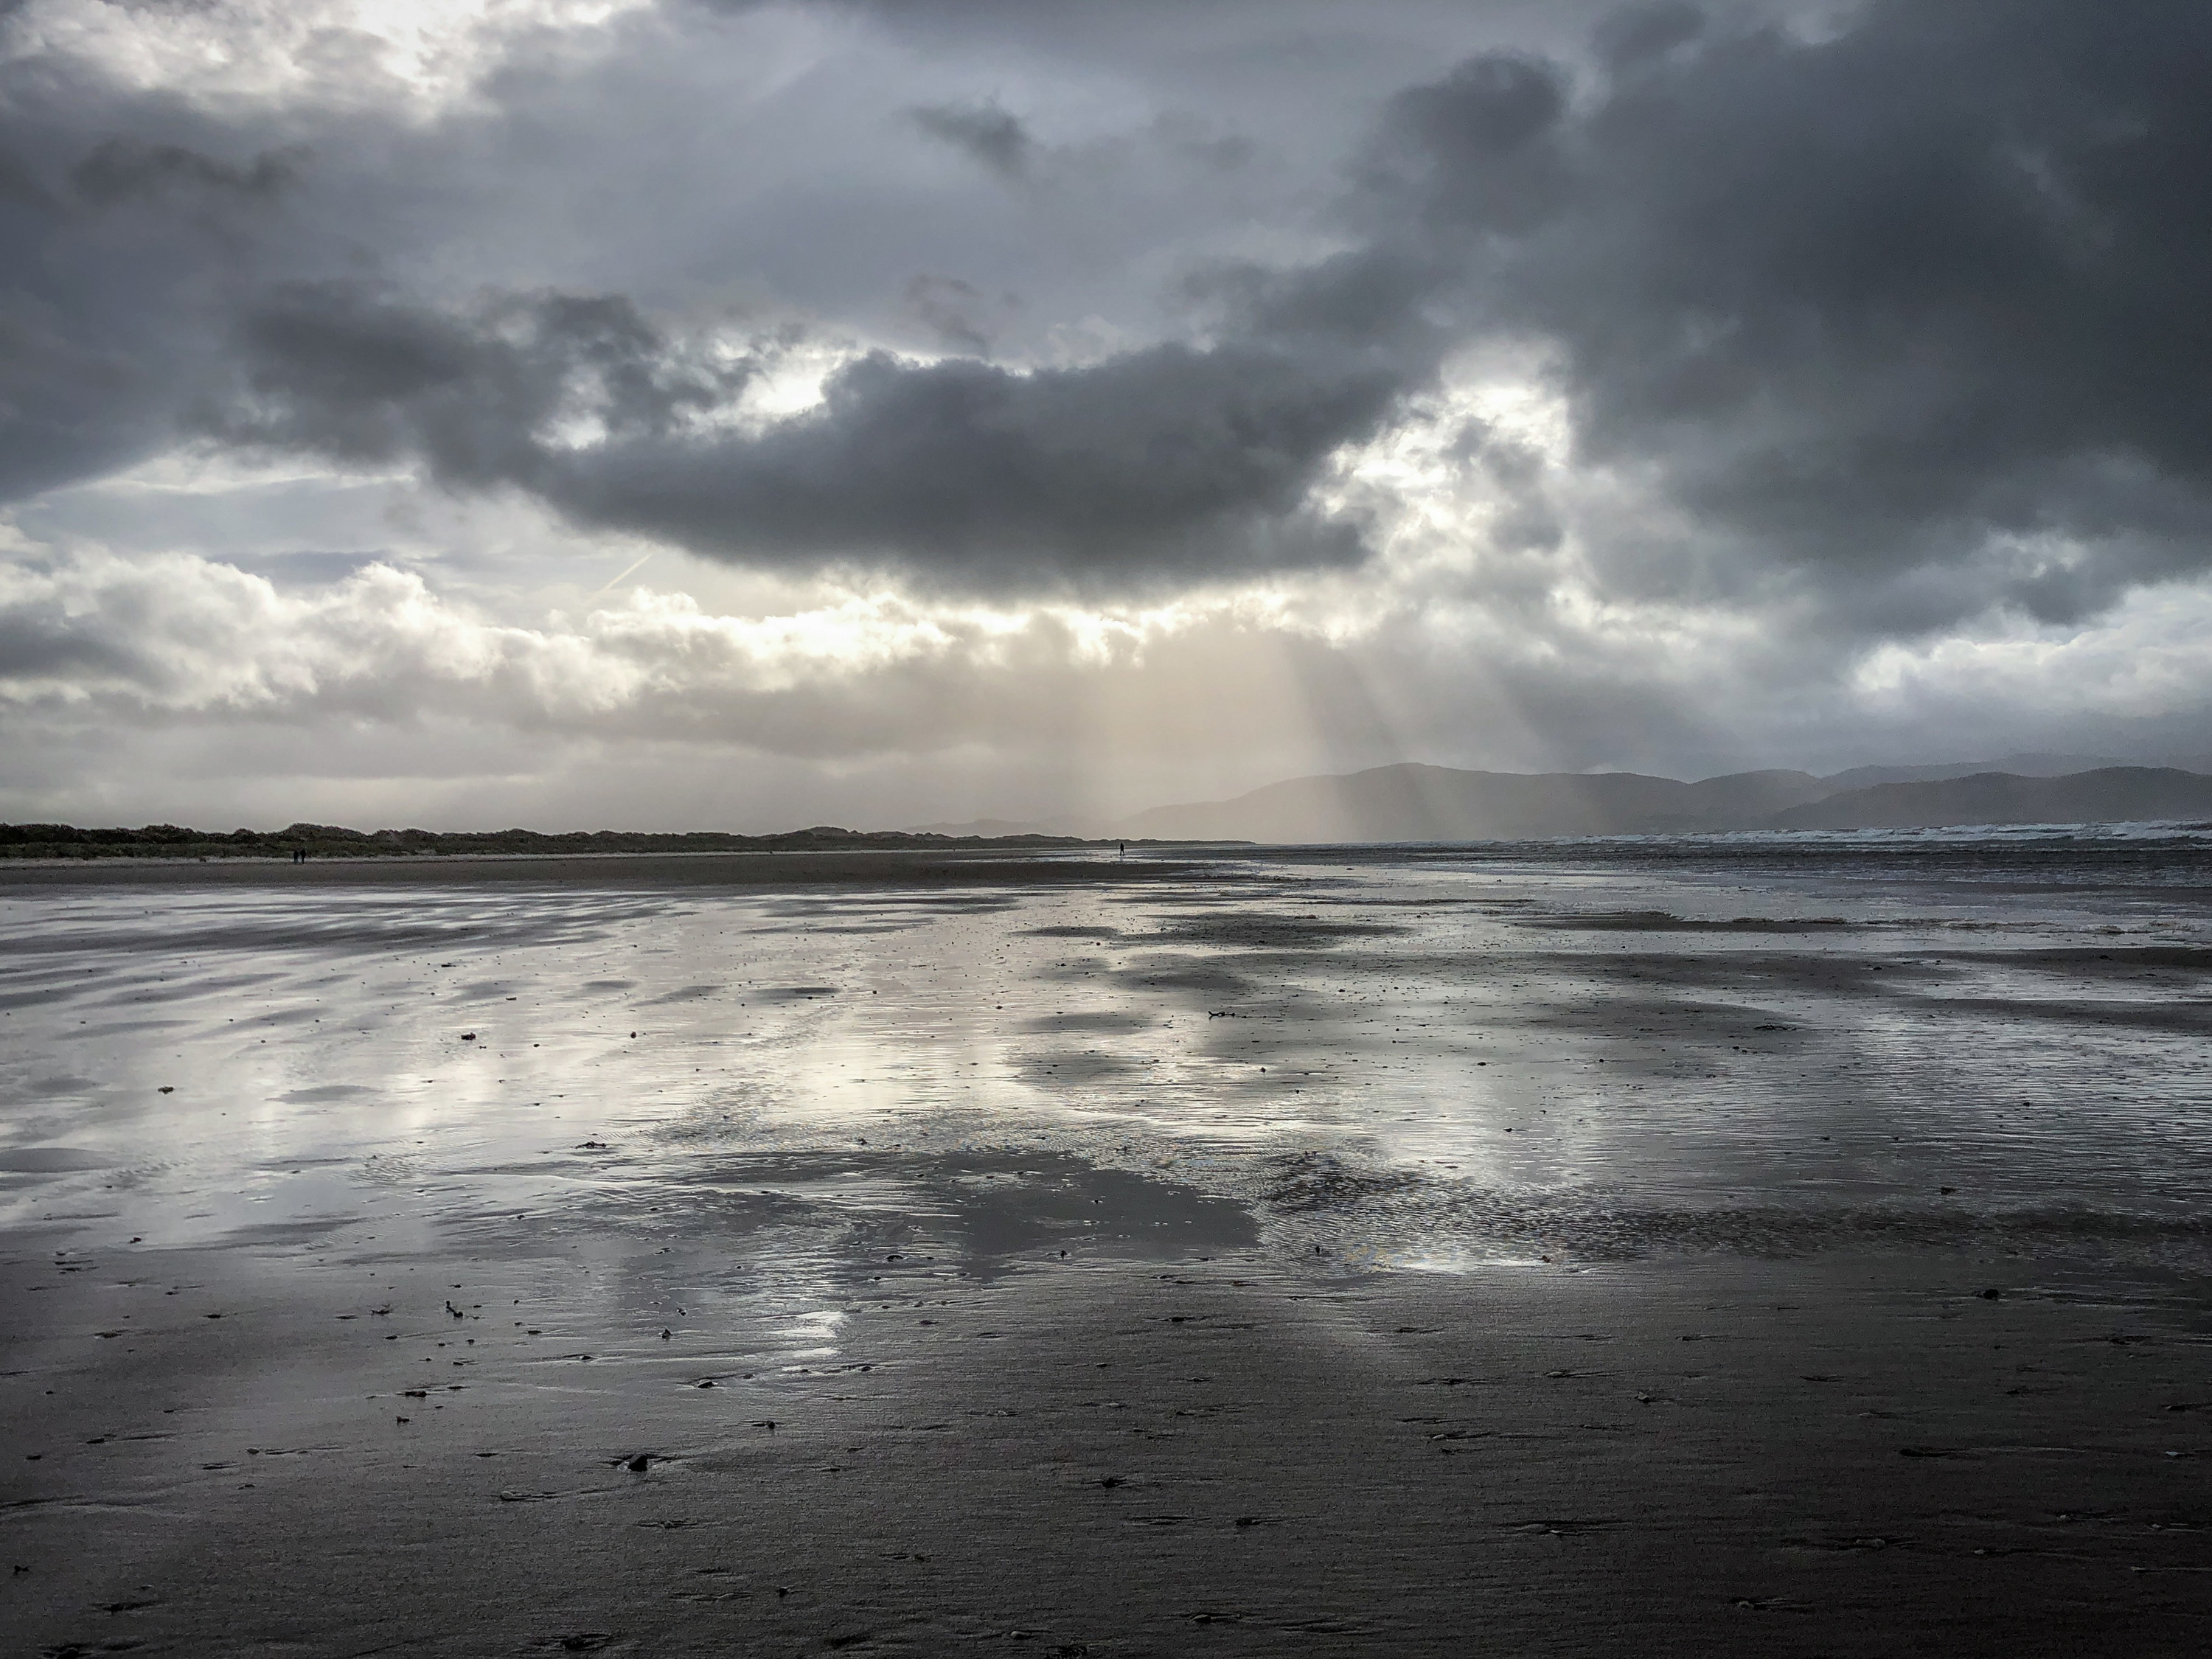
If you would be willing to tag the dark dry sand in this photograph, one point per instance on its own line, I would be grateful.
(1748, 1405)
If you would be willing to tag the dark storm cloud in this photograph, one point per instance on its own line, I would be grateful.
(989, 133)
(344, 369)
(1911, 310)
(1907, 309)
(130, 226)
(952, 310)
(1634, 36)
(121, 168)
(1172, 461)
(151, 291)
(1880, 304)
(49, 641)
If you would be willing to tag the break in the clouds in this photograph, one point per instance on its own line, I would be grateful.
(1658, 386)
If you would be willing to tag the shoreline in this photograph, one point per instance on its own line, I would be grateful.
(858, 865)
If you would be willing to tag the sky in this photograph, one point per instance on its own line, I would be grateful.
(698, 414)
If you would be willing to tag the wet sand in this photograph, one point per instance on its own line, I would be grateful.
(1345, 1255)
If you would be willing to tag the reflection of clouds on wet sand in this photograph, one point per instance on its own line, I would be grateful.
(691, 1237)
(1419, 1060)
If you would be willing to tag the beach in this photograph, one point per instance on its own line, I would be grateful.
(1795, 1249)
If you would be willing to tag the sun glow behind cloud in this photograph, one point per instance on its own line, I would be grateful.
(426, 54)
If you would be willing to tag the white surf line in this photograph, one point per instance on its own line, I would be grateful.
(618, 576)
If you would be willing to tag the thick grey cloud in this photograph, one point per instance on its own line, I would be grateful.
(985, 132)
(1169, 462)
(1906, 309)
(342, 368)
(119, 168)
(157, 294)
(1902, 310)
(1740, 383)
(1879, 305)
(132, 224)
(85, 348)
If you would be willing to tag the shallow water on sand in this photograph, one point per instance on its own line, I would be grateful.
(461, 1261)
(1415, 1059)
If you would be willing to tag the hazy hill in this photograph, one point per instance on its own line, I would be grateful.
(1411, 802)
(2023, 766)
(2110, 794)
(998, 828)
(980, 827)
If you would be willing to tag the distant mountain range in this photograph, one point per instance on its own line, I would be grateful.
(1403, 803)
(1411, 802)
(2022, 766)
(994, 829)
(2110, 794)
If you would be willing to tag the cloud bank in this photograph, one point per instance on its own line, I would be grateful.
(1541, 385)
